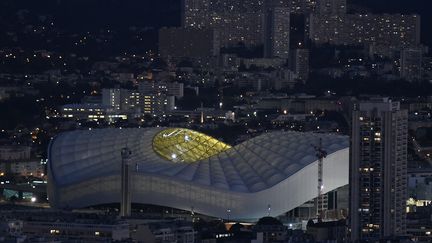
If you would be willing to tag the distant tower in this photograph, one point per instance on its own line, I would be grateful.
(125, 204)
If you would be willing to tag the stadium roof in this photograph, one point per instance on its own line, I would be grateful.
(182, 157)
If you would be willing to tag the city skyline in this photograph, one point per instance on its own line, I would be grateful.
(263, 121)
(168, 12)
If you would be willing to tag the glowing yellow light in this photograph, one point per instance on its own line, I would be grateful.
(184, 145)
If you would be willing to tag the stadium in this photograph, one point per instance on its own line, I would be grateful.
(185, 169)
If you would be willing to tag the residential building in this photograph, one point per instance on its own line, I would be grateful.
(277, 32)
(175, 89)
(411, 64)
(387, 30)
(300, 63)
(331, 7)
(94, 112)
(9, 153)
(236, 20)
(155, 98)
(378, 173)
(120, 99)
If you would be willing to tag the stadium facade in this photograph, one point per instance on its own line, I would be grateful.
(188, 170)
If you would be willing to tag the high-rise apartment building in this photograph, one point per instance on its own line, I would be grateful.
(383, 29)
(235, 20)
(300, 63)
(378, 173)
(396, 30)
(301, 6)
(326, 23)
(331, 7)
(277, 32)
(295, 6)
(411, 62)
(331, 24)
(327, 29)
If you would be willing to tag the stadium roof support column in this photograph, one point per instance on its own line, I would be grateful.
(125, 206)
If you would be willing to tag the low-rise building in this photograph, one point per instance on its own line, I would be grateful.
(335, 231)
(91, 112)
(164, 231)
(272, 230)
(14, 152)
(84, 231)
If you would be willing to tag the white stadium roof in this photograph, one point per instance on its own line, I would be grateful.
(185, 169)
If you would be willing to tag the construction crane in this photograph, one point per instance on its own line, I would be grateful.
(320, 154)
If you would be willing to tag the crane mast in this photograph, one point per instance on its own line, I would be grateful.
(321, 199)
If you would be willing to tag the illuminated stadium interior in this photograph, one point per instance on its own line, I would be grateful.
(184, 145)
